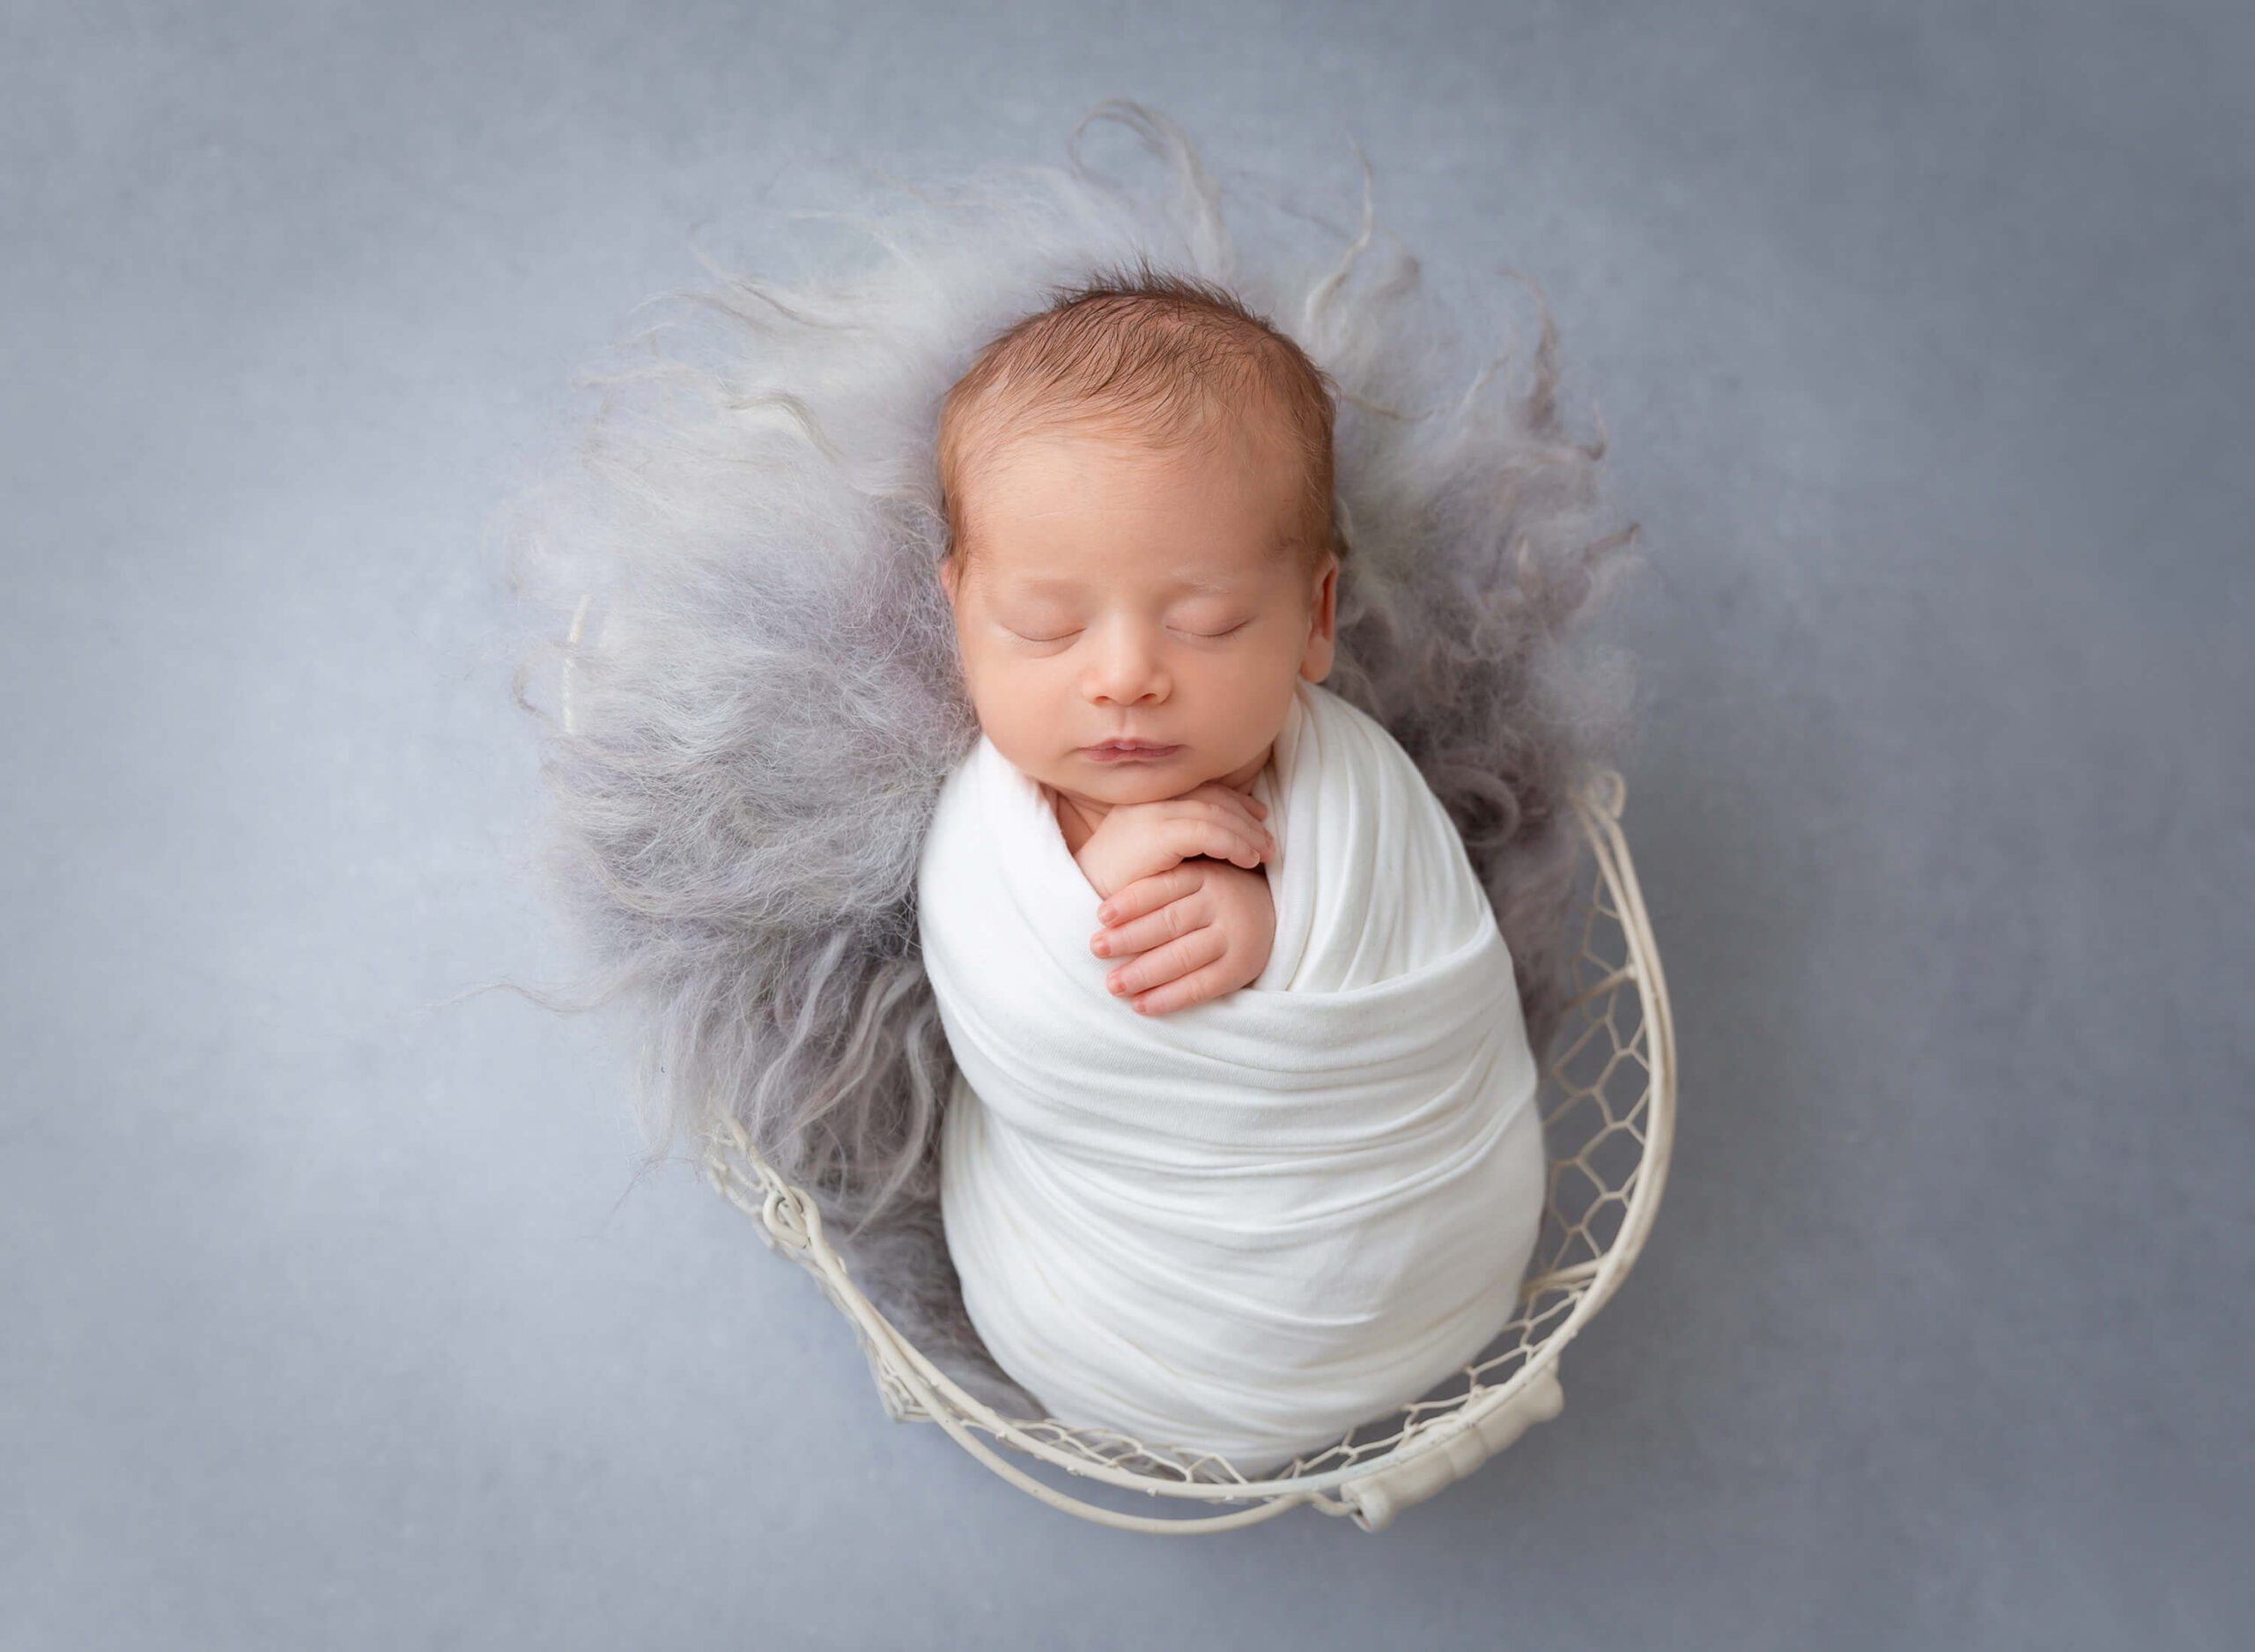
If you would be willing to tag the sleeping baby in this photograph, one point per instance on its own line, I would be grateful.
(1241, 1150)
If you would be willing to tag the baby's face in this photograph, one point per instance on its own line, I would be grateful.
(1117, 593)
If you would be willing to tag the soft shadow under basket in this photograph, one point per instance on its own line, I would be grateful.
(1607, 1097)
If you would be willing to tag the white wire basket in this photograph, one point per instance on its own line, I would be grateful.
(1608, 1103)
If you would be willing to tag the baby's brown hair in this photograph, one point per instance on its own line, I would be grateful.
(1158, 357)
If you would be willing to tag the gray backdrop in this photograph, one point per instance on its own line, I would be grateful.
(1922, 334)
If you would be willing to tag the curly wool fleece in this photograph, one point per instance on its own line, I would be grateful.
(764, 696)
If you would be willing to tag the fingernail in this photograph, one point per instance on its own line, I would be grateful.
(1103, 947)
(1116, 988)
(1106, 913)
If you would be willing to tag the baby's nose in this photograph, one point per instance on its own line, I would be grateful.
(1127, 668)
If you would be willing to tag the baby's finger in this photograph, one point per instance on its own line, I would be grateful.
(1153, 929)
(1194, 988)
(1237, 805)
(1178, 957)
(1222, 839)
(1147, 894)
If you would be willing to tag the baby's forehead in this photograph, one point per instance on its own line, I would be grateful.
(1220, 505)
(1216, 474)
(1057, 462)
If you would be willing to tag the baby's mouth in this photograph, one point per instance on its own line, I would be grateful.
(1129, 751)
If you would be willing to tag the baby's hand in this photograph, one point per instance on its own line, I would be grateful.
(1203, 928)
(1137, 840)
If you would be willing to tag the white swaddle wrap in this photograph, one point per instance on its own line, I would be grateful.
(1247, 1226)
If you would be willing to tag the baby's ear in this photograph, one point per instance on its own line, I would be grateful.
(1315, 661)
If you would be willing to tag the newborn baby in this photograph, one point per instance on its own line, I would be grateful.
(1138, 582)
(1311, 1190)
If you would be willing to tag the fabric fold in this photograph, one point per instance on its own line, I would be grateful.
(1244, 1227)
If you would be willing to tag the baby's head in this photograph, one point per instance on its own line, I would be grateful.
(1138, 487)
